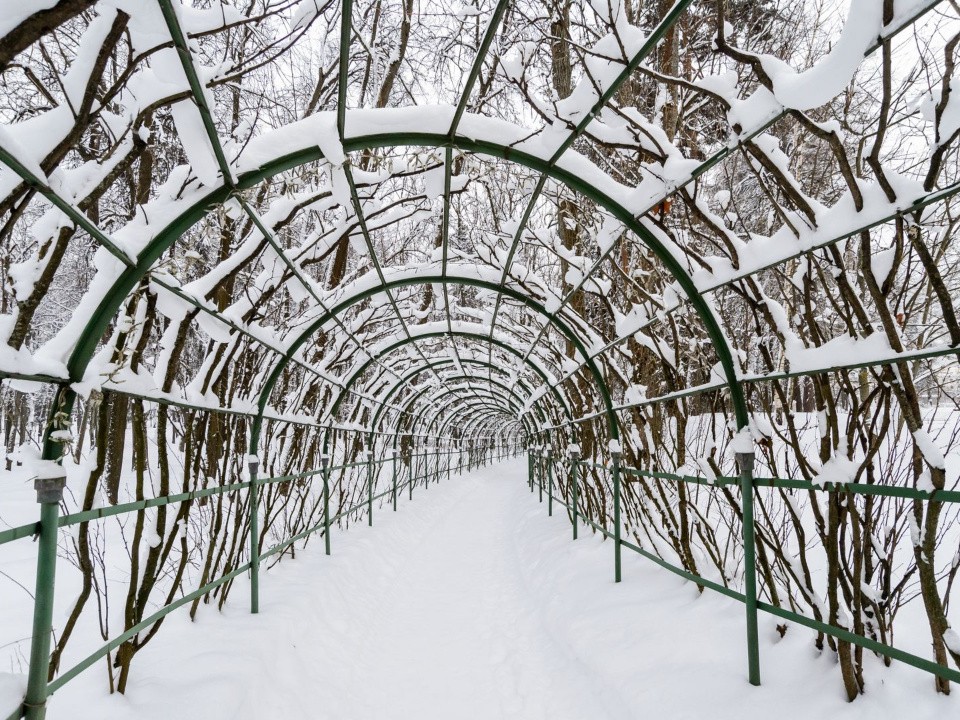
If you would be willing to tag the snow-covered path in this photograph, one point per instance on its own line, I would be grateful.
(469, 602)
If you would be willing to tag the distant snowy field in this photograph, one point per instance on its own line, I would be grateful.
(468, 603)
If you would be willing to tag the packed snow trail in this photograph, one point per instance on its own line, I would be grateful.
(470, 603)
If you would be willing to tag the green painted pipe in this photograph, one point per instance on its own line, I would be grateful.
(617, 541)
(254, 538)
(530, 468)
(393, 455)
(324, 464)
(369, 488)
(549, 485)
(35, 702)
(745, 460)
(49, 494)
(574, 470)
(540, 472)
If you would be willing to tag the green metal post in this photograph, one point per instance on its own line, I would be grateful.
(549, 482)
(325, 468)
(541, 457)
(369, 459)
(393, 462)
(49, 494)
(530, 467)
(574, 470)
(253, 463)
(745, 461)
(616, 515)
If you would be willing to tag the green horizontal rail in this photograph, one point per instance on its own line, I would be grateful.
(950, 496)
(840, 633)
(140, 626)
(208, 587)
(343, 513)
(864, 642)
(31, 529)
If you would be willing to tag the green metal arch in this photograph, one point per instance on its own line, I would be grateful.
(437, 416)
(113, 299)
(466, 401)
(452, 396)
(455, 333)
(418, 371)
(522, 421)
(349, 301)
(343, 390)
(471, 402)
(482, 421)
(376, 419)
(476, 421)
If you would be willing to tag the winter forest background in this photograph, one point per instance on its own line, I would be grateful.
(799, 160)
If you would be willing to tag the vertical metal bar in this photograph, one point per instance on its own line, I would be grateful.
(745, 461)
(530, 467)
(616, 516)
(549, 482)
(370, 488)
(253, 463)
(574, 471)
(325, 467)
(49, 494)
(393, 461)
(35, 702)
(540, 470)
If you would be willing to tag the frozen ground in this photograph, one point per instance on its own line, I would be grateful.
(471, 603)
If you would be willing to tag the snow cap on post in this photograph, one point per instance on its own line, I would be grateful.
(49, 483)
(253, 464)
(615, 448)
(573, 450)
(743, 448)
(324, 461)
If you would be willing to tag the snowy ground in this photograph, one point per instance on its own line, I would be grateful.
(471, 603)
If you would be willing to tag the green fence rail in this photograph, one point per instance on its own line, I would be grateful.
(431, 468)
(540, 465)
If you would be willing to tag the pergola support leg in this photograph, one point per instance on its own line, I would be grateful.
(549, 483)
(574, 471)
(35, 702)
(325, 466)
(745, 462)
(254, 466)
(617, 546)
(370, 488)
(393, 463)
(49, 494)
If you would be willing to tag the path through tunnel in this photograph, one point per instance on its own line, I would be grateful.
(689, 273)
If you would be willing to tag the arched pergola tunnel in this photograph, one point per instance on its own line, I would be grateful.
(403, 290)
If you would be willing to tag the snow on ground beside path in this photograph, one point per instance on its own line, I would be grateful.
(471, 603)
